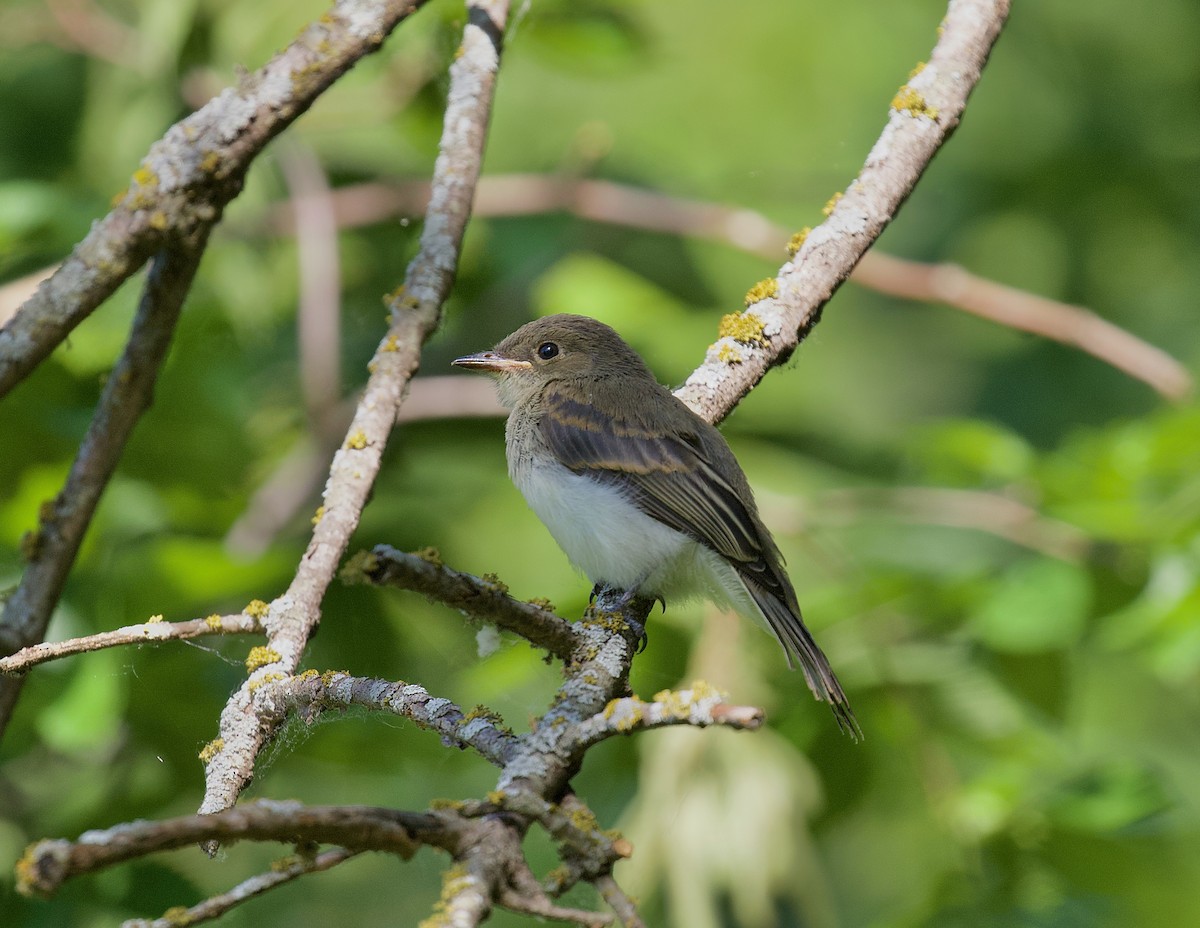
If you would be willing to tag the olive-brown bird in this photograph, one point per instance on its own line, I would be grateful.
(640, 492)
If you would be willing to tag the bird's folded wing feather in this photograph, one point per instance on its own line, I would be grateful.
(671, 477)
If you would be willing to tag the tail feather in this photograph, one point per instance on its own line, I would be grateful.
(788, 627)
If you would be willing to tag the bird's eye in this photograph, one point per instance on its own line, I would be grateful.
(547, 350)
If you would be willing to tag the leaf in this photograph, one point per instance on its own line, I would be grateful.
(1037, 605)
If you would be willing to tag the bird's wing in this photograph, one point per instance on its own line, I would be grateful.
(690, 481)
(674, 478)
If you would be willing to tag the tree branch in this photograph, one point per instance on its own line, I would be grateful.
(415, 314)
(485, 599)
(47, 864)
(313, 692)
(51, 550)
(143, 633)
(921, 118)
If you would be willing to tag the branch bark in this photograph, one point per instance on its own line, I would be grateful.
(127, 394)
(415, 314)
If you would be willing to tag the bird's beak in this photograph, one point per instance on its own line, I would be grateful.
(490, 361)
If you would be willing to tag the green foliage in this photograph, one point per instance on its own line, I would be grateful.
(995, 538)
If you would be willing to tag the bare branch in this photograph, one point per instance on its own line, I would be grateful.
(49, 863)
(152, 631)
(625, 205)
(621, 904)
(191, 173)
(318, 316)
(283, 871)
(415, 314)
(314, 692)
(485, 599)
(51, 550)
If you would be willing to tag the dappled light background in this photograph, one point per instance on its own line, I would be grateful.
(995, 537)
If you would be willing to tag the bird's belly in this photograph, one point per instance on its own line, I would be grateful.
(606, 536)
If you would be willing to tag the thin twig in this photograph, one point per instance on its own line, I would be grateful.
(700, 706)
(283, 871)
(624, 908)
(47, 864)
(51, 550)
(634, 207)
(318, 314)
(143, 633)
(415, 314)
(485, 599)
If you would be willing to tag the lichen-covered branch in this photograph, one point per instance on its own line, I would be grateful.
(415, 314)
(191, 173)
(50, 550)
(310, 693)
(782, 310)
(485, 599)
(150, 632)
(699, 706)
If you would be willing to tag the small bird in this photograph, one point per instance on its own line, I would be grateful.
(640, 492)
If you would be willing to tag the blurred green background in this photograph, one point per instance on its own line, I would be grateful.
(1028, 688)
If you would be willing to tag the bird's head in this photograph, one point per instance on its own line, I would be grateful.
(563, 347)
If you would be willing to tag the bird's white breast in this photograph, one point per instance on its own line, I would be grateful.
(602, 532)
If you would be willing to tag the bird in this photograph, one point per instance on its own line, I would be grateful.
(640, 492)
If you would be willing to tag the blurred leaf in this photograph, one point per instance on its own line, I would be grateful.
(1037, 605)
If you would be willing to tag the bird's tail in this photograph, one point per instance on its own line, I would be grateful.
(788, 627)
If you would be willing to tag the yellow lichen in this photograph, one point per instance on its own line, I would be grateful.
(359, 568)
(158, 220)
(144, 177)
(727, 354)
(318, 516)
(829, 207)
(483, 712)
(917, 69)
(209, 162)
(496, 797)
(357, 441)
(391, 344)
(746, 328)
(494, 583)
(265, 679)
(455, 881)
(674, 704)
(446, 805)
(430, 555)
(155, 618)
(763, 290)
(257, 609)
(633, 711)
(796, 242)
(912, 102)
(261, 656)
(211, 750)
(306, 675)
(213, 622)
(542, 603)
